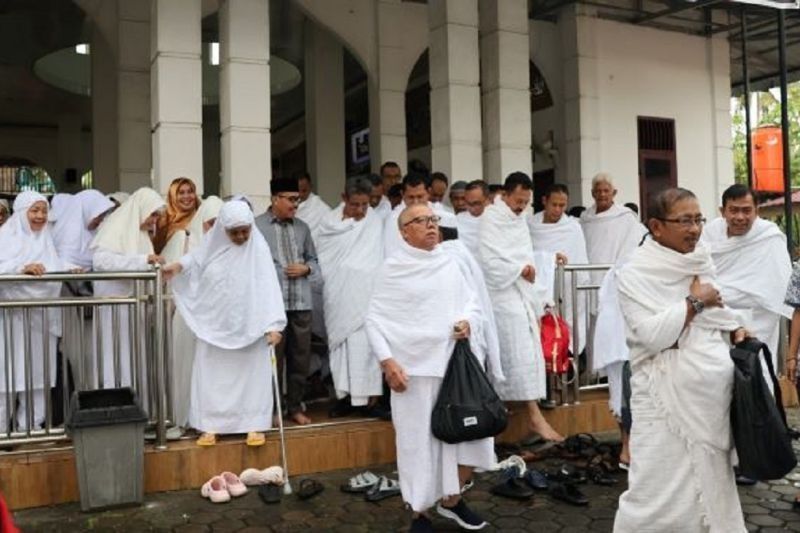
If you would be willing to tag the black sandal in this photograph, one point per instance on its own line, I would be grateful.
(270, 493)
(569, 493)
(309, 488)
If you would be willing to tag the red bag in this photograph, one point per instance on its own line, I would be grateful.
(555, 336)
(6, 523)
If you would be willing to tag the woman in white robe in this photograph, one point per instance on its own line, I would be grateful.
(183, 340)
(123, 243)
(26, 247)
(681, 476)
(228, 293)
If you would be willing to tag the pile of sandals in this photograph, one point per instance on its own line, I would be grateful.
(374, 488)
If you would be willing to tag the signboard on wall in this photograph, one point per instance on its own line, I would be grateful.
(359, 147)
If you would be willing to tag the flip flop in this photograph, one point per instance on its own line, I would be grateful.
(385, 488)
(309, 488)
(360, 483)
(255, 438)
(270, 493)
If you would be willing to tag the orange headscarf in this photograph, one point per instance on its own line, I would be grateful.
(175, 218)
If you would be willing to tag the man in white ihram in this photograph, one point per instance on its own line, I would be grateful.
(420, 306)
(753, 265)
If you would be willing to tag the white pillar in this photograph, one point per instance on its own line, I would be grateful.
(103, 57)
(455, 91)
(324, 85)
(176, 92)
(581, 100)
(387, 91)
(505, 88)
(244, 101)
(133, 95)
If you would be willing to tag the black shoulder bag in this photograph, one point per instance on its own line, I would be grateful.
(758, 420)
(467, 407)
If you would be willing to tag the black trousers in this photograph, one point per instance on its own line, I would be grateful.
(294, 351)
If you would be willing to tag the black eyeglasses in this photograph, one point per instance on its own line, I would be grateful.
(293, 199)
(685, 222)
(424, 220)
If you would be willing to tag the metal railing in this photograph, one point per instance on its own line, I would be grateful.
(575, 294)
(107, 341)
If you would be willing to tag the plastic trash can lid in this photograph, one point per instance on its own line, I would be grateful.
(104, 407)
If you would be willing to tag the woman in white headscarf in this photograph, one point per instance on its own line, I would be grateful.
(229, 295)
(75, 219)
(26, 247)
(183, 340)
(123, 244)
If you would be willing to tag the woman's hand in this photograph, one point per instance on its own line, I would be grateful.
(33, 269)
(155, 259)
(171, 270)
(274, 338)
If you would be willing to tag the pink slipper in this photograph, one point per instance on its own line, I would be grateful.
(234, 485)
(215, 490)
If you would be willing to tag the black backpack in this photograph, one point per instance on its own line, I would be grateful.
(758, 420)
(467, 407)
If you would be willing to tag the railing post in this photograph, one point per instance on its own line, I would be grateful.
(161, 392)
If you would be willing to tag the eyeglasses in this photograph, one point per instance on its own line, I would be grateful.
(294, 199)
(424, 220)
(686, 222)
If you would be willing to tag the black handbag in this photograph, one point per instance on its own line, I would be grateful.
(758, 420)
(467, 407)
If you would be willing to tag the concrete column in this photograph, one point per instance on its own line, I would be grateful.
(505, 88)
(581, 101)
(455, 89)
(133, 95)
(387, 90)
(176, 92)
(103, 57)
(244, 101)
(325, 130)
(718, 50)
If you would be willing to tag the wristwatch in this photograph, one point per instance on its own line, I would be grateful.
(696, 304)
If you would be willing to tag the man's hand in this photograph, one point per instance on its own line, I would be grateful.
(740, 335)
(706, 293)
(155, 259)
(461, 330)
(274, 338)
(395, 375)
(561, 259)
(529, 273)
(297, 270)
(33, 269)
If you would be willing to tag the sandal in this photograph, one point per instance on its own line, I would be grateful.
(270, 493)
(360, 483)
(309, 488)
(536, 479)
(567, 492)
(255, 438)
(207, 439)
(599, 477)
(385, 488)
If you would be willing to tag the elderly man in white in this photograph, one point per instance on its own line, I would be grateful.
(753, 264)
(350, 253)
(420, 306)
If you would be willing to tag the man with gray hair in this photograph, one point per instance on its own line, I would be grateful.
(350, 251)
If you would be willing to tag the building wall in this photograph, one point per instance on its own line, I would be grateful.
(647, 72)
(545, 52)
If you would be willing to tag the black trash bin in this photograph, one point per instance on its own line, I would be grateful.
(107, 430)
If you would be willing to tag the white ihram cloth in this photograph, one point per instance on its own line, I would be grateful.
(21, 246)
(610, 350)
(383, 208)
(70, 221)
(184, 343)
(681, 476)
(610, 235)
(120, 245)
(505, 249)
(313, 211)
(468, 231)
(230, 298)
(566, 237)
(753, 271)
(392, 239)
(483, 340)
(418, 297)
(350, 253)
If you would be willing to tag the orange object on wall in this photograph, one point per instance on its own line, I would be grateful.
(767, 159)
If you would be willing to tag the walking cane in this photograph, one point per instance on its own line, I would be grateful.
(287, 487)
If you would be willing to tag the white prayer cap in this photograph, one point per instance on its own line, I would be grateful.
(235, 214)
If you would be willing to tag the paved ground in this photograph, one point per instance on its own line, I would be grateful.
(767, 507)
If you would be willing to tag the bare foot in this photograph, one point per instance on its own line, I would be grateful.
(300, 419)
(538, 424)
(625, 453)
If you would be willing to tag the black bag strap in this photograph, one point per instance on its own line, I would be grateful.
(760, 347)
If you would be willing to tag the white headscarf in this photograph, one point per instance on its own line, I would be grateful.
(20, 246)
(120, 197)
(70, 218)
(121, 232)
(209, 210)
(229, 294)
